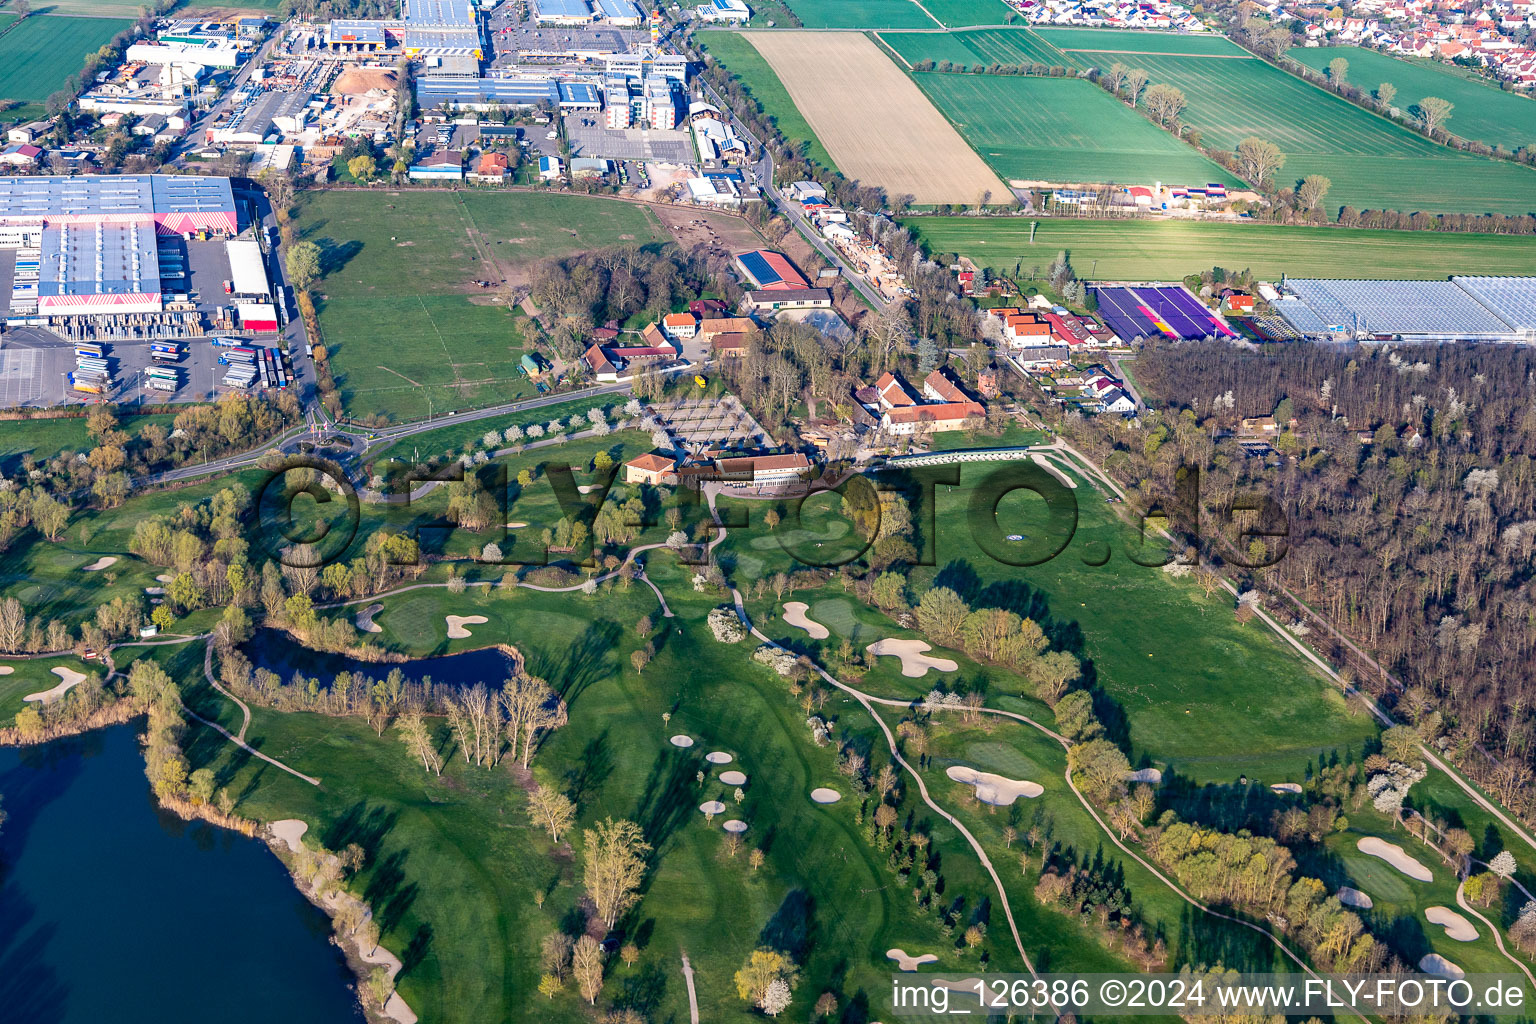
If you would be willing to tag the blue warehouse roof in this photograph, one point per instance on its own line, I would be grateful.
(433, 92)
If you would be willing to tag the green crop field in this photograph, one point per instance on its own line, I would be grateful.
(1141, 250)
(37, 55)
(1371, 162)
(1111, 41)
(98, 8)
(1063, 130)
(982, 46)
(1483, 112)
(955, 13)
(743, 61)
(872, 14)
(396, 314)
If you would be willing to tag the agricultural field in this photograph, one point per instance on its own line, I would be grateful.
(1372, 163)
(892, 137)
(37, 55)
(872, 14)
(408, 343)
(1062, 130)
(1483, 112)
(1108, 41)
(743, 61)
(982, 46)
(1142, 250)
(958, 13)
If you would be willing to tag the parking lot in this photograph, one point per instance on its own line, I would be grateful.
(588, 137)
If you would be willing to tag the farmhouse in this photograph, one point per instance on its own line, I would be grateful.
(679, 325)
(944, 405)
(789, 298)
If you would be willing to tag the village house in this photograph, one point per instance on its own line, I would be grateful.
(679, 325)
(653, 468)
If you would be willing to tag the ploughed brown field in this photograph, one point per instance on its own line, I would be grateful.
(877, 125)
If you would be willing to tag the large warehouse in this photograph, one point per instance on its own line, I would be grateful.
(1460, 309)
(93, 237)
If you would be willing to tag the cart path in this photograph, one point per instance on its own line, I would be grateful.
(693, 997)
(245, 711)
(1498, 940)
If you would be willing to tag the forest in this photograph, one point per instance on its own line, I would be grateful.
(1405, 475)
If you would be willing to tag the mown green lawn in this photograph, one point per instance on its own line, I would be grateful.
(37, 55)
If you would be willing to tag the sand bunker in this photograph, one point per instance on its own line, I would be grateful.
(356, 81)
(1287, 787)
(1354, 898)
(586, 488)
(907, 961)
(1152, 775)
(164, 578)
(735, 825)
(1395, 855)
(1456, 927)
(794, 614)
(734, 778)
(456, 624)
(70, 678)
(823, 795)
(101, 563)
(365, 620)
(712, 807)
(290, 831)
(718, 757)
(994, 789)
(6, 670)
(516, 526)
(914, 662)
(1434, 963)
(154, 591)
(682, 741)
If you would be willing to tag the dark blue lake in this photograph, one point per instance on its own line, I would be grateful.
(276, 651)
(112, 911)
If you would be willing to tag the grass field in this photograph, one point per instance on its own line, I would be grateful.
(43, 439)
(861, 14)
(1483, 112)
(128, 9)
(893, 137)
(743, 61)
(1062, 130)
(1371, 162)
(37, 55)
(1153, 250)
(395, 302)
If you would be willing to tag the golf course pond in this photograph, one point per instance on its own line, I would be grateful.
(112, 910)
(278, 652)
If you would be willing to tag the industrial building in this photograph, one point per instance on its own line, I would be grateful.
(502, 93)
(1501, 309)
(620, 13)
(92, 240)
(769, 271)
(733, 11)
(442, 27)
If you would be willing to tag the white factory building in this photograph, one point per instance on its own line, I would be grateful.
(733, 11)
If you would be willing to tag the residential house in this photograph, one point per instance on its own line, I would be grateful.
(679, 325)
(25, 155)
(728, 346)
(492, 168)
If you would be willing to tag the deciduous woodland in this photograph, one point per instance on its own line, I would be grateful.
(1407, 478)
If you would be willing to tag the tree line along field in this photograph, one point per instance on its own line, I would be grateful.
(1483, 112)
(1371, 162)
(741, 59)
(38, 54)
(1106, 41)
(404, 336)
(1140, 250)
(1063, 130)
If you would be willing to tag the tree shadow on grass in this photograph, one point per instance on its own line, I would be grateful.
(644, 991)
(792, 928)
(362, 825)
(388, 893)
(416, 950)
(584, 781)
(669, 791)
(578, 666)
